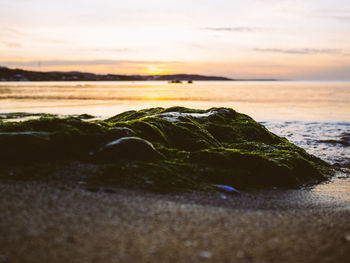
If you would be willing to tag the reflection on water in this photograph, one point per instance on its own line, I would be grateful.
(315, 101)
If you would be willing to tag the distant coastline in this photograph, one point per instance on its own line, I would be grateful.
(7, 74)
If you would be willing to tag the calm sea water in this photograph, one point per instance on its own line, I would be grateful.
(313, 115)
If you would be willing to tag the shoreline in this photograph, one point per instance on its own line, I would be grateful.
(50, 222)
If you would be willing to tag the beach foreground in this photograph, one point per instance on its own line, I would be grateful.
(56, 222)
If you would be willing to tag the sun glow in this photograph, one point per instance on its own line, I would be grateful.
(156, 70)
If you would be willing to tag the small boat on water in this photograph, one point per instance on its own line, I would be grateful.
(174, 81)
(179, 81)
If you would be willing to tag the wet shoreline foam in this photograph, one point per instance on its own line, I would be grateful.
(326, 140)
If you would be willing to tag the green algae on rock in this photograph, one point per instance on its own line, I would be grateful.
(127, 148)
(167, 149)
(20, 115)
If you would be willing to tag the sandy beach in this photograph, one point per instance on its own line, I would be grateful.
(56, 222)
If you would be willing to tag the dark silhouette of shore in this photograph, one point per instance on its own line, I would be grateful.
(7, 74)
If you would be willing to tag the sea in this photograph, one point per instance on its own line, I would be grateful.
(313, 115)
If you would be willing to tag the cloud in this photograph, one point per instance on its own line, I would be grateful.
(300, 51)
(269, 66)
(341, 72)
(11, 31)
(108, 49)
(342, 18)
(231, 29)
(11, 44)
(52, 63)
(342, 15)
(58, 63)
(20, 35)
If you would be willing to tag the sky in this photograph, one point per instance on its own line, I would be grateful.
(286, 39)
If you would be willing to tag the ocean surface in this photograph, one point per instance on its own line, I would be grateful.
(313, 115)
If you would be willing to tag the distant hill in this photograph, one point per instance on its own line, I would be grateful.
(7, 74)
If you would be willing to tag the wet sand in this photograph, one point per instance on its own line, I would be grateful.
(54, 222)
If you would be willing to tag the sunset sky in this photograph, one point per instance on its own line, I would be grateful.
(289, 39)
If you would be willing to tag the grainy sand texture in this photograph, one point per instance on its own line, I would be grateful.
(53, 222)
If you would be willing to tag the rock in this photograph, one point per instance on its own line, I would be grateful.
(346, 139)
(205, 254)
(121, 132)
(200, 148)
(223, 197)
(84, 116)
(128, 148)
(24, 146)
(347, 237)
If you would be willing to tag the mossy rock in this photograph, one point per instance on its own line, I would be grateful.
(175, 148)
(128, 148)
(24, 146)
(53, 138)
